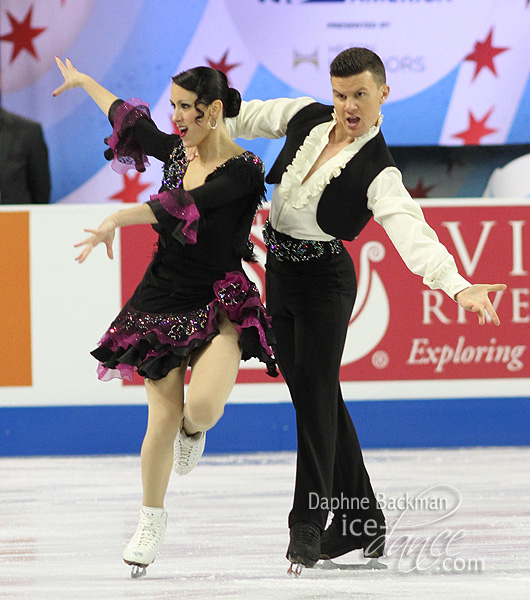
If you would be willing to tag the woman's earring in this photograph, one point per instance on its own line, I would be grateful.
(210, 123)
(334, 115)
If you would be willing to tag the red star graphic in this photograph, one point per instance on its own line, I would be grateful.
(484, 54)
(420, 191)
(476, 130)
(222, 65)
(22, 34)
(132, 188)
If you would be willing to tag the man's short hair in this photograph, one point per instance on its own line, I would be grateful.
(354, 61)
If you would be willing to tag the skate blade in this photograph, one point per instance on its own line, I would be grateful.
(138, 571)
(295, 570)
(372, 565)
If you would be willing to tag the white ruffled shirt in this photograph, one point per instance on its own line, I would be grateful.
(295, 201)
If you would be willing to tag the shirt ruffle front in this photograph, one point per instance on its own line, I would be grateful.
(291, 188)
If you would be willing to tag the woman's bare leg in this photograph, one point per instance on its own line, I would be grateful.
(165, 399)
(213, 375)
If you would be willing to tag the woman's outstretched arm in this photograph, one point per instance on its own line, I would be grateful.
(74, 79)
(138, 215)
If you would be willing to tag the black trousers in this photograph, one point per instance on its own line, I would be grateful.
(310, 304)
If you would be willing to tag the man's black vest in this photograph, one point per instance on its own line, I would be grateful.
(342, 210)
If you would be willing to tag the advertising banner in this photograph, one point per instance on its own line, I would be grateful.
(404, 339)
(400, 330)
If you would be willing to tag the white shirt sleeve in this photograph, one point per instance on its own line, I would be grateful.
(417, 243)
(265, 118)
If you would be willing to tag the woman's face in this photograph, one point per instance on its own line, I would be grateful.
(192, 132)
(357, 100)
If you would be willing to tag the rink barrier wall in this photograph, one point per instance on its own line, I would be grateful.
(91, 430)
(419, 372)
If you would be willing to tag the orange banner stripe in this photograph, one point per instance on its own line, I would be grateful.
(15, 310)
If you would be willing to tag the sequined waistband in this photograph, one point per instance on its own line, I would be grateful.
(285, 248)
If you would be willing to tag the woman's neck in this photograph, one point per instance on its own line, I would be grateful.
(217, 145)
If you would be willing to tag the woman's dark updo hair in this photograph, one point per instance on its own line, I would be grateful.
(209, 85)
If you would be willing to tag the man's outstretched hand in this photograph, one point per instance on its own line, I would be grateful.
(475, 298)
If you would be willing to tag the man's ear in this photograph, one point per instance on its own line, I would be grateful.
(385, 91)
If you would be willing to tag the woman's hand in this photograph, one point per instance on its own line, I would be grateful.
(475, 298)
(103, 234)
(72, 77)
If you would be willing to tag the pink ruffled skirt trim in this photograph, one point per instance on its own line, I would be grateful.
(154, 343)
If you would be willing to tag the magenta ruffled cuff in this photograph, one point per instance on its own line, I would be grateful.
(128, 154)
(180, 204)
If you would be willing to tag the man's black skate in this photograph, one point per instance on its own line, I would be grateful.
(335, 542)
(304, 547)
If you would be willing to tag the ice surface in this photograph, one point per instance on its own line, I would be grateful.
(64, 522)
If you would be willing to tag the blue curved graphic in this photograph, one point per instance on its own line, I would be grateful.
(419, 120)
(519, 132)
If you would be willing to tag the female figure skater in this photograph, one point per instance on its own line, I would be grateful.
(194, 306)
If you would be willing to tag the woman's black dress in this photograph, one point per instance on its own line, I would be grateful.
(196, 270)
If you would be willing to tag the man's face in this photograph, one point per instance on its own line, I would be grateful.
(357, 100)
